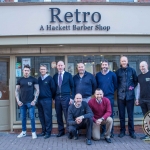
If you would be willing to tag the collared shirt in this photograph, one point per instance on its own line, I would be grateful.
(99, 101)
(105, 73)
(62, 74)
(43, 77)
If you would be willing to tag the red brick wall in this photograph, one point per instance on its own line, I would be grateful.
(93, 0)
(144, 1)
(7, 1)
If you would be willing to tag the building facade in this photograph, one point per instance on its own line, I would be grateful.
(44, 33)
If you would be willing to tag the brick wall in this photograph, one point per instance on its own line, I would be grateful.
(93, 0)
(146, 1)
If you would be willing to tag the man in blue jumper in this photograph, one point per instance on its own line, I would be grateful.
(84, 83)
(47, 89)
(107, 81)
(64, 95)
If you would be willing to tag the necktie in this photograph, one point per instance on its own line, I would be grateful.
(60, 80)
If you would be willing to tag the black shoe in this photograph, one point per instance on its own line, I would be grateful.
(60, 134)
(121, 135)
(88, 142)
(112, 135)
(76, 135)
(145, 137)
(70, 136)
(41, 134)
(47, 136)
(108, 140)
(133, 136)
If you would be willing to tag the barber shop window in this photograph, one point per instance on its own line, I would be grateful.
(93, 65)
(35, 62)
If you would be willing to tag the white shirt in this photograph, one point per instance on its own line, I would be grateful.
(105, 72)
(43, 77)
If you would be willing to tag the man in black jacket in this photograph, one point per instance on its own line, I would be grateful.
(84, 83)
(127, 81)
(79, 117)
(64, 95)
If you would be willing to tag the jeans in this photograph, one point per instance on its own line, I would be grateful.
(23, 110)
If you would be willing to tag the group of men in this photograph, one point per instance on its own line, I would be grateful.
(73, 98)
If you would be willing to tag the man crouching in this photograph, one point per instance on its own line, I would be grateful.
(101, 109)
(80, 117)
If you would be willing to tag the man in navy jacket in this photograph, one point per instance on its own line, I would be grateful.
(127, 81)
(84, 83)
(47, 89)
(64, 95)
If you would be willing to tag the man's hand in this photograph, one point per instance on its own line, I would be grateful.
(137, 102)
(71, 101)
(19, 103)
(79, 119)
(33, 103)
(99, 121)
(53, 101)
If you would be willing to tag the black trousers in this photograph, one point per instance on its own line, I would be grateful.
(85, 124)
(45, 114)
(61, 106)
(129, 105)
(145, 106)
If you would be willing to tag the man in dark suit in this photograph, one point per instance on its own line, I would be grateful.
(64, 95)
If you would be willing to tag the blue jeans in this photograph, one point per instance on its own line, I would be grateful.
(23, 110)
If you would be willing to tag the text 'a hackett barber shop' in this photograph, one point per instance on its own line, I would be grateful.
(75, 21)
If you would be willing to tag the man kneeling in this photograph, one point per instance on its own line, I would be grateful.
(80, 117)
(101, 109)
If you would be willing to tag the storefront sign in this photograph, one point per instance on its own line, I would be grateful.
(69, 19)
(80, 18)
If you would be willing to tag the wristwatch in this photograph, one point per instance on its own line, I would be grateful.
(34, 101)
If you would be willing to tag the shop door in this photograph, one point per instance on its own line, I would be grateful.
(4, 95)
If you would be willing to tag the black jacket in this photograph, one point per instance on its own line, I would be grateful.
(127, 81)
(67, 87)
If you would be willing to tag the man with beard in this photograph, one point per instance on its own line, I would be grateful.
(101, 109)
(84, 83)
(127, 81)
(143, 90)
(107, 81)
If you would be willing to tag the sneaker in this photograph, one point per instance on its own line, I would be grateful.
(34, 136)
(145, 137)
(22, 134)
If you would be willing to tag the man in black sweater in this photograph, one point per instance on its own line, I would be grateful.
(64, 95)
(143, 90)
(80, 117)
(47, 89)
(84, 83)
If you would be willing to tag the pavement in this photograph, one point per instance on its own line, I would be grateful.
(9, 141)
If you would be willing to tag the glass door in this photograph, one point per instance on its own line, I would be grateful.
(4, 94)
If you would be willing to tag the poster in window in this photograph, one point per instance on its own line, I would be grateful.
(71, 68)
(26, 61)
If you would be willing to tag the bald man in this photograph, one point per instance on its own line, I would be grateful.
(79, 117)
(64, 95)
(143, 90)
(84, 83)
(127, 81)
